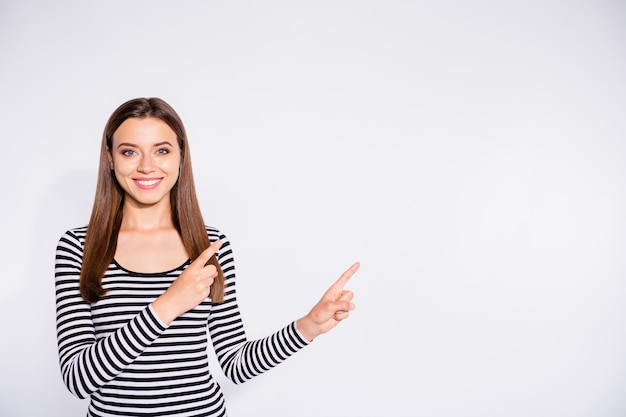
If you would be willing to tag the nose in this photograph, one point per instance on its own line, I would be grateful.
(146, 164)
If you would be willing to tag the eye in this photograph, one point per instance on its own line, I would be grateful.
(127, 152)
(163, 151)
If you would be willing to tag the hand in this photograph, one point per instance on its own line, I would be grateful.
(334, 306)
(190, 288)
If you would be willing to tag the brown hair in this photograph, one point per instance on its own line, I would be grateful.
(106, 215)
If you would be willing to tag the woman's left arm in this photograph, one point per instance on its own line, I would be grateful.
(242, 359)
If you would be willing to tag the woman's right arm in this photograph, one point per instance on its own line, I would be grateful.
(87, 362)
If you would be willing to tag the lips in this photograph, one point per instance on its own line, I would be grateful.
(148, 183)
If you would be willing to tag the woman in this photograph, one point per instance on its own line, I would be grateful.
(139, 286)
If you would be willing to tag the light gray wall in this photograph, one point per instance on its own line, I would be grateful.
(469, 154)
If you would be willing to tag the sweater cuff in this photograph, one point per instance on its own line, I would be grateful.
(300, 340)
(155, 319)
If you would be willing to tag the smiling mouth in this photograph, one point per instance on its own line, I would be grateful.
(147, 184)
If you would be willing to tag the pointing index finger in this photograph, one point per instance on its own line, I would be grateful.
(204, 257)
(343, 279)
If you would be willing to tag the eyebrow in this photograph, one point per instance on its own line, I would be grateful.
(156, 145)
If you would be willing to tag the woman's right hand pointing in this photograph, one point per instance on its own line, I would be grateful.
(190, 289)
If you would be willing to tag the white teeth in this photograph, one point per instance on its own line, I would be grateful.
(147, 183)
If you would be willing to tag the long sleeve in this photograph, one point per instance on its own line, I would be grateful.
(87, 362)
(239, 358)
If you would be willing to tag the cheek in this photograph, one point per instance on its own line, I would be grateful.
(121, 169)
(175, 166)
(119, 176)
(118, 166)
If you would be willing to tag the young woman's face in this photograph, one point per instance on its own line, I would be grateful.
(145, 156)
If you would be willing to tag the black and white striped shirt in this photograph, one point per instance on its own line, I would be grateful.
(121, 354)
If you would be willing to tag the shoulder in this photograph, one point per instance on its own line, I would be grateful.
(214, 233)
(71, 244)
(74, 236)
(225, 253)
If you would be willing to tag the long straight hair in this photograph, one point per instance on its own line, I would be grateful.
(106, 215)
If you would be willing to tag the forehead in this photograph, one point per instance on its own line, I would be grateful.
(144, 131)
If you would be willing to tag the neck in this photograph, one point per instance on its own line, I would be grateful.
(147, 218)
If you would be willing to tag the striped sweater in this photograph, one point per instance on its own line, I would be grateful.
(118, 351)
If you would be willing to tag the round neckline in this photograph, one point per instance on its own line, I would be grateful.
(180, 267)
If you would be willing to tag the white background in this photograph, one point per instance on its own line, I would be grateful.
(470, 154)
